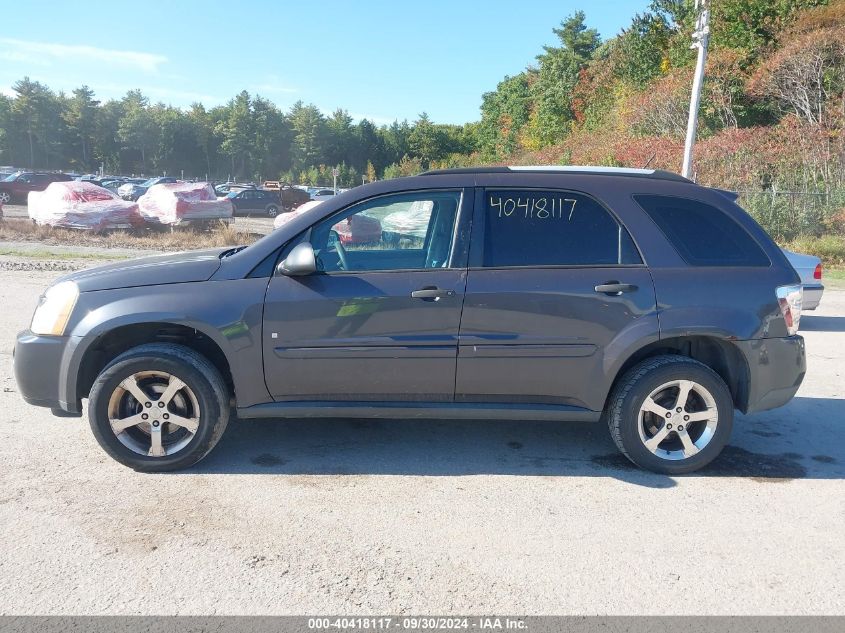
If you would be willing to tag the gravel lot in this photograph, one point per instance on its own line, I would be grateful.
(354, 517)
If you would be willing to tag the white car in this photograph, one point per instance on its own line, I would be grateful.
(323, 194)
(809, 267)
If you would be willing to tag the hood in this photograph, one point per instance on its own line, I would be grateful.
(172, 268)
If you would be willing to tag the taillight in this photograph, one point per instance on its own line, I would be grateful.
(817, 273)
(789, 300)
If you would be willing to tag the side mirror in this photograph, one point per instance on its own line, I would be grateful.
(299, 262)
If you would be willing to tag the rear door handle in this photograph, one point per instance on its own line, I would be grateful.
(615, 288)
(431, 293)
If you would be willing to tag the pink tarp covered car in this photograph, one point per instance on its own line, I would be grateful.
(358, 229)
(175, 203)
(82, 205)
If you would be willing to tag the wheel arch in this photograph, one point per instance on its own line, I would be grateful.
(720, 355)
(110, 342)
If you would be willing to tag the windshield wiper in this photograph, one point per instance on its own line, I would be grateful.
(231, 251)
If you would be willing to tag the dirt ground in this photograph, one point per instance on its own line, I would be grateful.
(397, 517)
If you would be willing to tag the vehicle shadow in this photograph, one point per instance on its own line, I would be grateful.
(814, 323)
(796, 442)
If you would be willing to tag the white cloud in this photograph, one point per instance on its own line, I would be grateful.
(45, 54)
(272, 85)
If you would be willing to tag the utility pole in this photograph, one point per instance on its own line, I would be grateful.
(700, 39)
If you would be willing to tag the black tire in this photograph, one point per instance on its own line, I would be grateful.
(272, 210)
(623, 411)
(198, 374)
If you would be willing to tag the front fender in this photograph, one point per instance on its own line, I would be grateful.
(228, 312)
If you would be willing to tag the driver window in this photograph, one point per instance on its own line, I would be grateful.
(399, 232)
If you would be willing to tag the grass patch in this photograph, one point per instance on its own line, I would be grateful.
(43, 253)
(19, 230)
(834, 278)
(830, 248)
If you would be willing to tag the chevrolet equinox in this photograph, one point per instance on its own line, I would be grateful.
(635, 297)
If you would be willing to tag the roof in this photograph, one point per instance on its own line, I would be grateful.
(659, 174)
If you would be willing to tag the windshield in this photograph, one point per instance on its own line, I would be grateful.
(150, 182)
(11, 177)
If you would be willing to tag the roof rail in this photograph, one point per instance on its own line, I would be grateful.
(659, 174)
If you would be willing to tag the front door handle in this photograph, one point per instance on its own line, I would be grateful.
(614, 288)
(431, 293)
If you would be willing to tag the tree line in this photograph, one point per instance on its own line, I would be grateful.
(248, 138)
(774, 92)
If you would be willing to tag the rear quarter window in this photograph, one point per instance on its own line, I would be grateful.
(702, 234)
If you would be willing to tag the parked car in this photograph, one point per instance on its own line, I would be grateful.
(133, 191)
(16, 186)
(113, 183)
(809, 268)
(535, 296)
(284, 218)
(252, 201)
(292, 197)
(225, 189)
(358, 229)
(83, 205)
(323, 194)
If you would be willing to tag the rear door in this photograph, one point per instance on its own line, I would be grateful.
(249, 201)
(556, 290)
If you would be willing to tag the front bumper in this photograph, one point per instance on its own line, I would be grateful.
(776, 370)
(38, 362)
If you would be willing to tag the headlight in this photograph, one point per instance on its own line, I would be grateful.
(52, 314)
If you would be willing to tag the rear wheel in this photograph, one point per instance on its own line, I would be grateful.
(670, 414)
(272, 211)
(158, 407)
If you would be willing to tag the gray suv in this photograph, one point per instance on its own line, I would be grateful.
(634, 297)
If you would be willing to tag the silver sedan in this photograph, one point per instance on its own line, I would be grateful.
(809, 267)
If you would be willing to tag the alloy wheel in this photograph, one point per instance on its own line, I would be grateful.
(153, 413)
(678, 420)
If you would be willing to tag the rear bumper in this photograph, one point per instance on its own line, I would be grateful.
(812, 297)
(776, 370)
(37, 364)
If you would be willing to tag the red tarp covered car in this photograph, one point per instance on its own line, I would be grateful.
(78, 204)
(175, 203)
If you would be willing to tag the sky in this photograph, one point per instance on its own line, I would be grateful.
(379, 59)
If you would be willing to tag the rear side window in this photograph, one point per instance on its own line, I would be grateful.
(702, 234)
(552, 228)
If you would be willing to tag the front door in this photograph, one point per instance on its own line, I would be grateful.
(556, 291)
(379, 320)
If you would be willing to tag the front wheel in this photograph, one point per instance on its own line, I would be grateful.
(670, 414)
(158, 407)
(5, 197)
